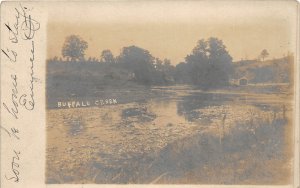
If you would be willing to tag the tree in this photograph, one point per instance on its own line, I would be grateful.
(264, 54)
(167, 62)
(209, 64)
(182, 73)
(74, 48)
(107, 57)
(139, 61)
(158, 64)
(168, 71)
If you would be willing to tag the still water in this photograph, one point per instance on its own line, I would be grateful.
(175, 136)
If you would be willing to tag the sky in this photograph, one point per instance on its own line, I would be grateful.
(171, 29)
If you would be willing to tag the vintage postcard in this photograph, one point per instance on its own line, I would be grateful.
(150, 93)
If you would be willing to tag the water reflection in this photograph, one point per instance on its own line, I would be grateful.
(189, 105)
(170, 137)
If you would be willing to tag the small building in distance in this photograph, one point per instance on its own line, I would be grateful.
(243, 81)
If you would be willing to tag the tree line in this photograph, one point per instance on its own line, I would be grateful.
(208, 65)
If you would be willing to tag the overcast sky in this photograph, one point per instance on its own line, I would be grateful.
(170, 29)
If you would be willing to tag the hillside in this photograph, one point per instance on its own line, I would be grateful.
(85, 80)
(268, 71)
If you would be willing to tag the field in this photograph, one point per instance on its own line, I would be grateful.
(173, 134)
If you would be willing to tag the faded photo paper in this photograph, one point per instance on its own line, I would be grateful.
(133, 93)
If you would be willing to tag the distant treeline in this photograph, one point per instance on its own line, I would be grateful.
(208, 66)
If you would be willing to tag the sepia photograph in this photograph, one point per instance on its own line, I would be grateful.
(171, 92)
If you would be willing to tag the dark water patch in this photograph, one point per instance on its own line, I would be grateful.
(141, 114)
(187, 106)
(264, 107)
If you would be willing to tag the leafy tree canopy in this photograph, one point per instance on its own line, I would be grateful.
(264, 54)
(74, 48)
(209, 64)
(107, 57)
